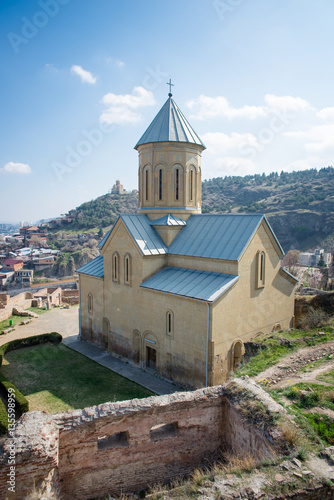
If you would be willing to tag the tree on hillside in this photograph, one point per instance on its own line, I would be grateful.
(291, 260)
(70, 267)
(321, 262)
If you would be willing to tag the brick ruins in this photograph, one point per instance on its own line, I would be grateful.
(129, 445)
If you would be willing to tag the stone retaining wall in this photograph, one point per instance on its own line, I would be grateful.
(127, 446)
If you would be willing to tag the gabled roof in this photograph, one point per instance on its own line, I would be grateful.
(170, 125)
(12, 262)
(221, 236)
(191, 283)
(146, 238)
(168, 220)
(93, 268)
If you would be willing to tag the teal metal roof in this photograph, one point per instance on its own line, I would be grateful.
(191, 283)
(93, 268)
(146, 238)
(168, 220)
(221, 236)
(170, 125)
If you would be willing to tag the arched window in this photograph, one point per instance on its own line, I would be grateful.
(191, 179)
(115, 267)
(191, 184)
(177, 180)
(160, 184)
(261, 269)
(127, 269)
(146, 185)
(90, 303)
(170, 323)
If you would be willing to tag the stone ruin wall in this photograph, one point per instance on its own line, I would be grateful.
(125, 446)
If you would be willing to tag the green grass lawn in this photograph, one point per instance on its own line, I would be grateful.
(55, 378)
(272, 350)
(17, 319)
(6, 322)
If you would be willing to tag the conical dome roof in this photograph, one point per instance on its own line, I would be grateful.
(170, 125)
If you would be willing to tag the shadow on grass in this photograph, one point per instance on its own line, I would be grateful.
(56, 378)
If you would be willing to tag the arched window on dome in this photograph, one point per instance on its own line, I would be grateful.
(146, 184)
(160, 184)
(177, 181)
(192, 183)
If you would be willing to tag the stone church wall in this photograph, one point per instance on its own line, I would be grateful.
(126, 446)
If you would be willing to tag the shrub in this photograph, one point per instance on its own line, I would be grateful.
(53, 337)
(322, 425)
(22, 404)
(3, 419)
(314, 318)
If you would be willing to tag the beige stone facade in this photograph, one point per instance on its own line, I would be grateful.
(183, 311)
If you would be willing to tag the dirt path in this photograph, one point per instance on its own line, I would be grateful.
(287, 370)
(63, 321)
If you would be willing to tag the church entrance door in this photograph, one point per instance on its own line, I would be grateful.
(151, 358)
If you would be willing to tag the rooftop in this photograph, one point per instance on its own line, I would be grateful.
(191, 283)
(93, 268)
(170, 125)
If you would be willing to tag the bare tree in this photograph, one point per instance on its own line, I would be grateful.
(290, 261)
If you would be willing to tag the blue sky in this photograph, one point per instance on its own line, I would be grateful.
(81, 80)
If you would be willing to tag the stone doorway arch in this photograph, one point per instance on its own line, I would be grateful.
(238, 350)
(151, 351)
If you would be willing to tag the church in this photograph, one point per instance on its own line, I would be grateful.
(175, 291)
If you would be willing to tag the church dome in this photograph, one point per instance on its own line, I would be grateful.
(170, 125)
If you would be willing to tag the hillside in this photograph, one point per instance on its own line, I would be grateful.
(299, 205)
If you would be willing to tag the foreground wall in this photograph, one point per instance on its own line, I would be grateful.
(126, 446)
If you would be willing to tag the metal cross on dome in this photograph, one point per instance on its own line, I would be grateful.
(170, 87)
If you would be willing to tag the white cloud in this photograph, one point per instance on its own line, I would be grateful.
(218, 142)
(122, 109)
(320, 138)
(205, 107)
(326, 114)
(112, 60)
(286, 103)
(16, 168)
(86, 76)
